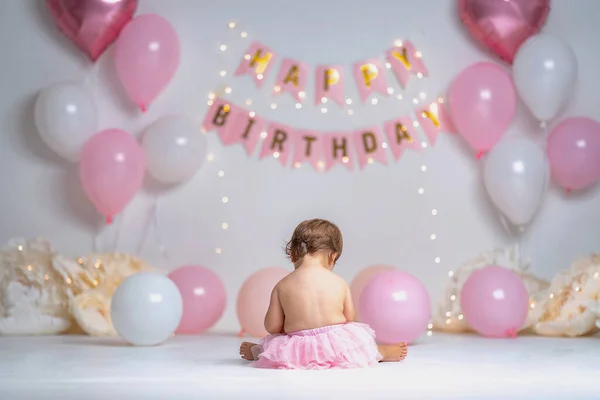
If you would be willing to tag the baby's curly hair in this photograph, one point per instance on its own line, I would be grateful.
(313, 235)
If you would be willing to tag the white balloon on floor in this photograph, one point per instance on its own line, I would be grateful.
(175, 149)
(65, 117)
(544, 73)
(516, 174)
(146, 309)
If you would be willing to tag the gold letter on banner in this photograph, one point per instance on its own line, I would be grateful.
(260, 62)
(278, 139)
(403, 58)
(369, 142)
(309, 140)
(332, 76)
(402, 134)
(221, 115)
(340, 146)
(369, 72)
(292, 75)
(432, 114)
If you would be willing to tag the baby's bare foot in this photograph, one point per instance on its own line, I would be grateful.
(246, 351)
(393, 352)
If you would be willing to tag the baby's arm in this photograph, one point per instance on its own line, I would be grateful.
(348, 305)
(274, 320)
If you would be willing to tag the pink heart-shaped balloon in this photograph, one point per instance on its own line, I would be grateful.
(91, 24)
(503, 25)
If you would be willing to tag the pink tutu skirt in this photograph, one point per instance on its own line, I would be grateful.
(350, 345)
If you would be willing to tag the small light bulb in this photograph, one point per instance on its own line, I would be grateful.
(218, 250)
(321, 165)
(421, 190)
(324, 110)
(416, 124)
(276, 154)
(273, 106)
(223, 47)
(398, 43)
(437, 260)
(429, 333)
(577, 289)
(350, 112)
(415, 101)
(46, 277)
(69, 281)
(448, 321)
(298, 106)
(432, 236)
(374, 101)
(424, 168)
(248, 102)
(263, 134)
(434, 212)
(244, 34)
(551, 295)
(453, 297)
(422, 95)
(297, 165)
(20, 248)
(247, 56)
(29, 268)
(384, 145)
(430, 326)
(388, 65)
(399, 97)
(418, 54)
(448, 313)
(210, 157)
(370, 160)
(302, 94)
(225, 200)
(345, 159)
(323, 99)
(259, 77)
(460, 316)
(224, 225)
(223, 73)
(390, 90)
(210, 102)
(596, 275)
(424, 145)
(221, 173)
(532, 305)
(277, 88)
(440, 100)
(211, 95)
(348, 101)
(228, 90)
(450, 274)
(251, 114)
(232, 25)
(419, 75)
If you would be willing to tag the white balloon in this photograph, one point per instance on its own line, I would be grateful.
(65, 117)
(175, 149)
(544, 73)
(146, 308)
(516, 175)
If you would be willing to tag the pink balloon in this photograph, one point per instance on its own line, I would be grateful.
(361, 280)
(146, 58)
(482, 104)
(574, 153)
(502, 26)
(111, 170)
(397, 306)
(91, 24)
(495, 302)
(203, 295)
(254, 297)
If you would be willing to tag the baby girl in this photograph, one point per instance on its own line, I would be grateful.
(311, 317)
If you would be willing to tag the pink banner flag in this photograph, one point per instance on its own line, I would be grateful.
(246, 130)
(278, 143)
(370, 77)
(404, 61)
(337, 148)
(292, 78)
(401, 135)
(369, 146)
(257, 61)
(308, 147)
(329, 84)
(221, 117)
(435, 119)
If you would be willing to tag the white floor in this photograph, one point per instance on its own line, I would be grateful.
(208, 367)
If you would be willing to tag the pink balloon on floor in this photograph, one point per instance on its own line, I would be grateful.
(111, 170)
(203, 295)
(254, 297)
(146, 58)
(574, 153)
(362, 279)
(397, 306)
(482, 102)
(494, 302)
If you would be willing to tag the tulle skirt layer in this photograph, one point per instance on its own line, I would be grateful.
(350, 345)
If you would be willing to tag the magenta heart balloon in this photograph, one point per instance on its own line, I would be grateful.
(503, 25)
(91, 24)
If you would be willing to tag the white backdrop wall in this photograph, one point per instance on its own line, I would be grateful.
(383, 217)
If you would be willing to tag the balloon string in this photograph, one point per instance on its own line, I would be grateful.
(161, 246)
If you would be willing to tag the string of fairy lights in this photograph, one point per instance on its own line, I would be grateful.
(226, 89)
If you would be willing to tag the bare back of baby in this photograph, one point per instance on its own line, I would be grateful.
(312, 297)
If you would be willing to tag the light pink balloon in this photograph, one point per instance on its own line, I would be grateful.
(495, 302)
(482, 101)
(111, 170)
(361, 280)
(146, 58)
(397, 306)
(574, 153)
(254, 297)
(203, 295)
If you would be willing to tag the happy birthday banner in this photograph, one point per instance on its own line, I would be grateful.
(330, 80)
(324, 150)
